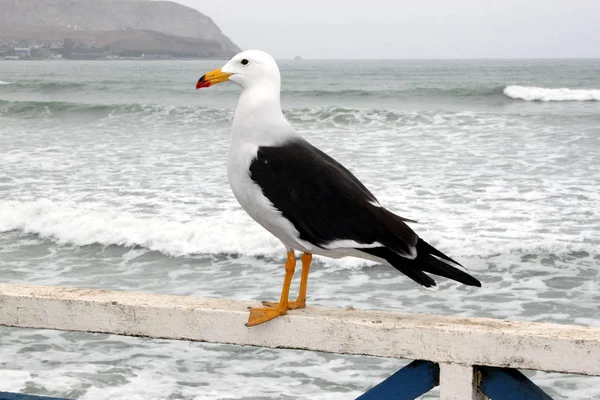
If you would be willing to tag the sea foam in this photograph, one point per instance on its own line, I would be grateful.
(230, 232)
(227, 233)
(533, 93)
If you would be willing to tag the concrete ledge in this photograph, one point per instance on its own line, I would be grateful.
(466, 341)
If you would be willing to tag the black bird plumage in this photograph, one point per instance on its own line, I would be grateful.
(326, 203)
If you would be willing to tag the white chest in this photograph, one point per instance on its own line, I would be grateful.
(252, 200)
(247, 193)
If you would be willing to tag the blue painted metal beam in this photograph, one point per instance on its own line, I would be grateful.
(509, 384)
(410, 382)
(22, 396)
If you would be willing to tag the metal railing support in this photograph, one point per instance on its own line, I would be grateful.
(509, 384)
(21, 396)
(412, 381)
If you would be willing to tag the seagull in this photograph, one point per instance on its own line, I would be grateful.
(305, 198)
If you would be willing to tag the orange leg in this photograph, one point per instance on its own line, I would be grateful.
(258, 315)
(300, 302)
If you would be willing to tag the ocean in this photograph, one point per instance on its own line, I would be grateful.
(113, 175)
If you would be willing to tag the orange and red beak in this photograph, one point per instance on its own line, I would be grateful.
(212, 78)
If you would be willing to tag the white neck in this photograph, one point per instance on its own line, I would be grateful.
(258, 117)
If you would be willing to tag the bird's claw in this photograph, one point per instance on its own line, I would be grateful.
(263, 314)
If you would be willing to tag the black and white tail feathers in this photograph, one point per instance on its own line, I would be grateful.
(429, 259)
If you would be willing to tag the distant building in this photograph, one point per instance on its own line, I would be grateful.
(5, 50)
(22, 52)
(40, 53)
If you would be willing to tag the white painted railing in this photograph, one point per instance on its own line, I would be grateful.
(457, 344)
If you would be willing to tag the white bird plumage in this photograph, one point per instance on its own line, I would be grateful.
(305, 198)
(258, 122)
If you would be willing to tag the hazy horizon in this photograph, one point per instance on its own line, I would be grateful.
(427, 30)
(442, 59)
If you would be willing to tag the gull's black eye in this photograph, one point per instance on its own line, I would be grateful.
(245, 62)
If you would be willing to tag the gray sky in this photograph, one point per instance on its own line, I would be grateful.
(410, 28)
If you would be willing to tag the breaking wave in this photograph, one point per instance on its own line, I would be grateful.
(56, 87)
(532, 93)
(227, 233)
(449, 92)
(117, 88)
(230, 232)
(338, 116)
(303, 118)
(50, 87)
(58, 109)
(4, 83)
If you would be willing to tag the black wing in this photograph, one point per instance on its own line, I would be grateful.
(324, 201)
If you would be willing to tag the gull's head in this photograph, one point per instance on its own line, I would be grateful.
(251, 68)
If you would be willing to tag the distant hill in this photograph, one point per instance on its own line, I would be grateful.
(114, 26)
